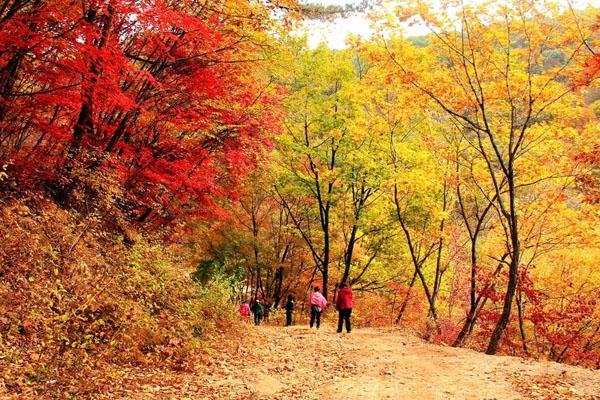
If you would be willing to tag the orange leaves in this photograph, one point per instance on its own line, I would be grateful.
(70, 312)
(591, 67)
(407, 77)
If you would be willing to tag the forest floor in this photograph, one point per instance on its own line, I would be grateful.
(298, 363)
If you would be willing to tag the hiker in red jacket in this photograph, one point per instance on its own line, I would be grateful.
(344, 306)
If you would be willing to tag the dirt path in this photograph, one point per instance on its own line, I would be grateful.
(301, 364)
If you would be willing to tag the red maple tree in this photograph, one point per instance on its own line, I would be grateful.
(158, 99)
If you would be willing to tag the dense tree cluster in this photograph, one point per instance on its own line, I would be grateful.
(158, 98)
(451, 178)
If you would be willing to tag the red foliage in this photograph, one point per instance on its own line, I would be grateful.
(591, 70)
(564, 325)
(158, 96)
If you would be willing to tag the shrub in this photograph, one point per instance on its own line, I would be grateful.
(78, 298)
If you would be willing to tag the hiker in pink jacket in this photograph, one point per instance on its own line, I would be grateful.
(245, 311)
(317, 305)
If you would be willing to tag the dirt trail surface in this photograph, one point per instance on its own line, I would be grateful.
(297, 363)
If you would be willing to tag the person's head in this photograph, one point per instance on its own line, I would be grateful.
(290, 297)
(317, 289)
(343, 285)
(245, 302)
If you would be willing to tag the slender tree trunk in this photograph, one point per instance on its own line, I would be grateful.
(326, 249)
(84, 126)
(472, 299)
(325, 275)
(406, 298)
(521, 322)
(438, 262)
(477, 304)
(8, 77)
(506, 310)
(278, 285)
(9, 73)
(309, 289)
(513, 273)
(417, 263)
(349, 252)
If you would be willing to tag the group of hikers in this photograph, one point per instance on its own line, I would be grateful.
(261, 312)
(317, 304)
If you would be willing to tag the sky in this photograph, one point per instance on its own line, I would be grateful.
(335, 33)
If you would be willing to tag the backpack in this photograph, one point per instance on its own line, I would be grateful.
(290, 305)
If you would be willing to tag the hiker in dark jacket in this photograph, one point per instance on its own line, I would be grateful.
(289, 309)
(257, 310)
(266, 312)
(344, 306)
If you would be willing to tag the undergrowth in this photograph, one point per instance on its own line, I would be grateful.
(80, 296)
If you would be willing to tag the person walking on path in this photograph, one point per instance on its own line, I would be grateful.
(266, 312)
(244, 311)
(257, 309)
(317, 306)
(289, 309)
(344, 306)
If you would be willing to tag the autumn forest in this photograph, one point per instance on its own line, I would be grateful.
(162, 161)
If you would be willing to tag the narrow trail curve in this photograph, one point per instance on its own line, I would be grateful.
(297, 363)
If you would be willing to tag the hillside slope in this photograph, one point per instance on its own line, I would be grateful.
(296, 363)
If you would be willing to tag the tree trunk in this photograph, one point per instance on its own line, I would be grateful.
(513, 273)
(406, 298)
(439, 271)
(417, 263)
(278, 284)
(472, 298)
(349, 252)
(521, 323)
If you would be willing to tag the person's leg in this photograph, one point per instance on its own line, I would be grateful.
(318, 320)
(347, 318)
(288, 318)
(312, 317)
(340, 320)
